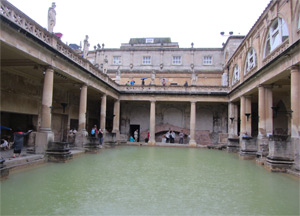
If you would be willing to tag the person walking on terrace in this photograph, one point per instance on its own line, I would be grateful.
(19, 141)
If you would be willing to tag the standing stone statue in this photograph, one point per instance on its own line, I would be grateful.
(51, 17)
(118, 75)
(152, 78)
(194, 78)
(86, 46)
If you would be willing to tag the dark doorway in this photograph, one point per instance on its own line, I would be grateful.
(134, 128)
(74, 124)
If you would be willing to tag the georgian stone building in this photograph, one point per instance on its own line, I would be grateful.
(251, 84)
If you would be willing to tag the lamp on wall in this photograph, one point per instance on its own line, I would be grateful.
(64, 106)
(247, 115)
(231, 118)
(275, 110)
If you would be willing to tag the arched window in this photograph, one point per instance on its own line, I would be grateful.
(250, 60)
(236, 74)
(278, 33)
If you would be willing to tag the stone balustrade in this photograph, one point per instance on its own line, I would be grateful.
(17, 17)
(190, 90)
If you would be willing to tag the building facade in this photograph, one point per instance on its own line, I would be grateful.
(244, 95)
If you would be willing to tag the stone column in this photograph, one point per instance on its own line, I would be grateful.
(47, 100)
(152, 123)
(45, 134)
(268, 109)
(248, 114)
(116, 117)
(242, 116)
(82, 133)
(193, 124)
(295, 103)
(295, 121)
(232, 119)
(103, 113)
(82, 108)
(261, 112)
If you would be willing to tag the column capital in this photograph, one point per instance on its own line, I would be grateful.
(294, 68)
(152, 100)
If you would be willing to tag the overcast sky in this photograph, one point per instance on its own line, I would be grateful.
(113, 22)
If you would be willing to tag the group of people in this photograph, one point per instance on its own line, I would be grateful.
(97, 133)
(170, 136)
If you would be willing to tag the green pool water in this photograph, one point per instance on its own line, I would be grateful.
(151, 181)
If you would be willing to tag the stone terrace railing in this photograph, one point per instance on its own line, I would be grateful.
(16, 16)
(190, 90)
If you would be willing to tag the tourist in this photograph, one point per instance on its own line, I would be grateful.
(147, 138)
(168, 137)
(181, 135)
(186, 84)
(131, 139)
(128, 83)
(100, 136)
(94, 131)
(132, 82)
(136, 134)
(172, 137)
(19, 141)
(245, 135)
(4, 144)
(164, 82)
(143, 82)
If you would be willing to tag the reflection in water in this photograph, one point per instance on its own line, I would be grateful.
(151, 180)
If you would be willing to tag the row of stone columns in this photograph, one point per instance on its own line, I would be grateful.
(45, 134)
(265, 115)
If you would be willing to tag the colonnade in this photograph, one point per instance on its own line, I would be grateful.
(45, 135)
(266, 112)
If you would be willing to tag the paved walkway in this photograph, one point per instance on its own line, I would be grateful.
(8, 154)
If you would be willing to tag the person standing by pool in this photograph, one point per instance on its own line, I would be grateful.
(136, 135)
(181, 135)
(100, 136)
(19, 141)
(94, 131)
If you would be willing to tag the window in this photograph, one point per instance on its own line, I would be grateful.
(147, 60)
(176, 60)
(236, 74)
(207, 60)
(278, 33)
(149, 40)
(250, 60)
(117, 60)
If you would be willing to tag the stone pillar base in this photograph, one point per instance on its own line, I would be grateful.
(263, 147)
(109, 140)
(281, 153)
(59, 152)
(192, 143)
(42, 141)
(93, 145)
(81, 139)
(248, 148)
(278, 164)
(152, 142)
(233, 145)
(295, 143)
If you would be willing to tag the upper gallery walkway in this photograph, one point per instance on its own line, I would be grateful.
(68, 63)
